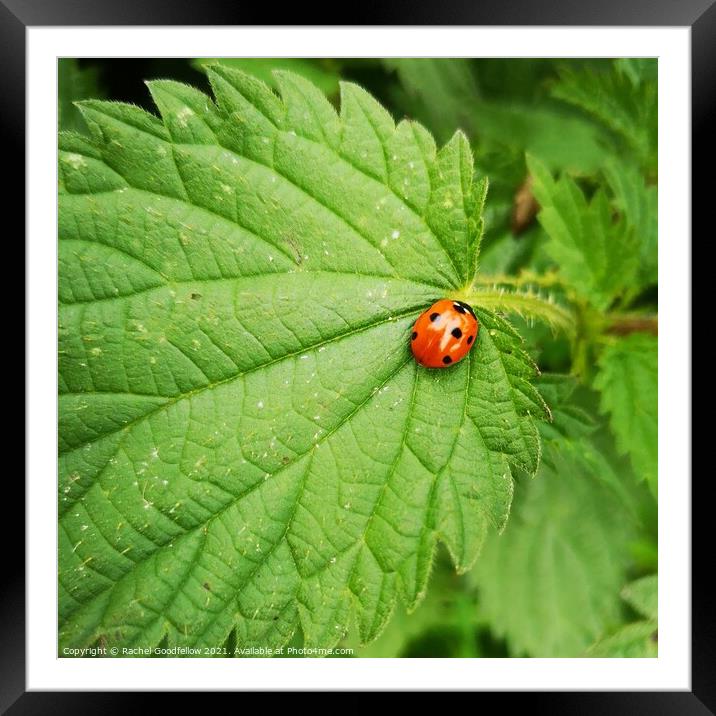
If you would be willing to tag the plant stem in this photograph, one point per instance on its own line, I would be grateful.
(623, 325)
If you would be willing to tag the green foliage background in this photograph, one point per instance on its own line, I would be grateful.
(567, 239)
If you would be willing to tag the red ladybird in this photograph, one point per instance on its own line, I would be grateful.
(444, 334)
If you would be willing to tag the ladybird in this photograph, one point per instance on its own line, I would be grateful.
(444, 334)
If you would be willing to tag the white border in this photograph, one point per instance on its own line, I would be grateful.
(671, 670)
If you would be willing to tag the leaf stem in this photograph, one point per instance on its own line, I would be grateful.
(526, 277)
(505, 294)
(527, 304)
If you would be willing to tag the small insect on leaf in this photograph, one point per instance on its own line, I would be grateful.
(444, 334)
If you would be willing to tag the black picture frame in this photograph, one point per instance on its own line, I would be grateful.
(699, 15)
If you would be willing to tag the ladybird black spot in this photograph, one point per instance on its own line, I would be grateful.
(470, 339)
(433, 316)
(447, 360)
(456, 333)
(414, 336)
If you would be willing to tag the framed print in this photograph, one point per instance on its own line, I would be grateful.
(359, 357)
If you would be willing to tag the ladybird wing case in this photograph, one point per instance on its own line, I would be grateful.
(444, 334)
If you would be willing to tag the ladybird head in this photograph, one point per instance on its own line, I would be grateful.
(462, 307)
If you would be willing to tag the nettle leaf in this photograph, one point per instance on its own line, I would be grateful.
(632, 641)
(448, 609)
(324, 73)
(597, 255)
(446, 93)
(638, 639)
(442, 92)
(628, 382)
(550, 583)
(569, 421)
(643, 595)
(247, 445)
(638, 203)
(637, 69)
(624, 99)
(74, 83)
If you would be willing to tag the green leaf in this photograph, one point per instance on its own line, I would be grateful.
(595, 254)
(643, 596)
(440, 91)
(569, 421)
(639, 639)
(624, 99)
(448, 609)
(637, 69)
(445, 93)
(550, 583)
(560, 140)
(628, 381)
(74, 83)
(638, 202)
(246, 442)
(320, 72)
(633, 641)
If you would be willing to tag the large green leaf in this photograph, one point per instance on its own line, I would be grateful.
(550, 583)
(628, 381)
(246, 443)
